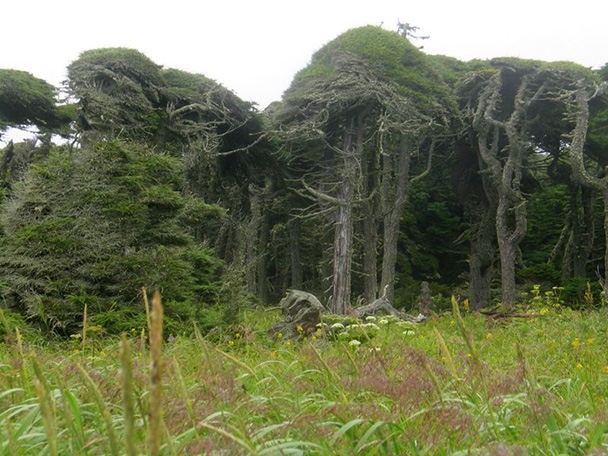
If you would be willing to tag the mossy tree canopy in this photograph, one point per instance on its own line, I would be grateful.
(26, 100)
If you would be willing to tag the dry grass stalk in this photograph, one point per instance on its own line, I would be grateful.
(156, 371)
(127, 396)
(146, 306)
(446, 353)
(21, 355)
(84, 327)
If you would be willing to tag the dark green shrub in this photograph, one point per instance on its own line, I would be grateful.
(580, 293)
(94, 226)
(542, 272)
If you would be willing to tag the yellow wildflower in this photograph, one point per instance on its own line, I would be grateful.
(231, 343)
(590, 341)
(466, 306)
(280, 336)
(237, 336)
(579, 366)
(489, 336)
(300, 329)
(575, 344)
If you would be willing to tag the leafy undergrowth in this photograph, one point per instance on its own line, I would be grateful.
(450, 385)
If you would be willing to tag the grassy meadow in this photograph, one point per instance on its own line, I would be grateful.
(452, 385)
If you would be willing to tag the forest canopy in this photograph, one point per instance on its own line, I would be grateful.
(381, 168)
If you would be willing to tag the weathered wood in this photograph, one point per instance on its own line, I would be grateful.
(425, 302)
(302, 313)
(383, 305)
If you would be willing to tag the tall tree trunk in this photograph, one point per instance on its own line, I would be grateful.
(481, 261)
(295, 257)
(251, 235)
(262, 255)
(393, 206)
(343, 231)
(370, 257)
(579, 172)
(371, 212)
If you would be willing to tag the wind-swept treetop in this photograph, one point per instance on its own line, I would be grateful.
(26, 100)
(118, 89)
(112, 61)
(390, 57)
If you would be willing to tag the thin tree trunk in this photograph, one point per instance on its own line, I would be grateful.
(344, 226)
(481, 262)
(252, 228)
(371, 210)
(262, 256)
(393, 210)
(294, 250)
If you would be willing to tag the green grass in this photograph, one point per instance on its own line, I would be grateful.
(449, 386)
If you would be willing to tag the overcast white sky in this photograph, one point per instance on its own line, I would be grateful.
(254, 47)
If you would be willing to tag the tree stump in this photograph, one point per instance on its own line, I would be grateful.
(425, 301)
(302, 313)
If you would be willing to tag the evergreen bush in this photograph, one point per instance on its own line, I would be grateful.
(95, 225)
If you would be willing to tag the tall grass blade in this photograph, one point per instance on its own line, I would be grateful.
(84, 328)
(446, 353)
(103, 409)
(184, 391)
(466, 334)
(155, 427)
(146, 307)
(238, 362)
(242, 443)
(48, 420)
(127, 396)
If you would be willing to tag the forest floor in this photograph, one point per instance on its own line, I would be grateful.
(450, 385)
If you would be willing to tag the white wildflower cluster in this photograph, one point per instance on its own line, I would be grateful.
(406, 324)
(337, 326)
(354, 343)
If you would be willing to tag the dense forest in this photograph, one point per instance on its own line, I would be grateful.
(381, 168)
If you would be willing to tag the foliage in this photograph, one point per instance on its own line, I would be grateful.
(95, 226)
(580, 293)
(118, 90)
(390, 58)
(26, 100)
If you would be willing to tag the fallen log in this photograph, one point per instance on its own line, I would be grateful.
(302, 314)
(383, 305)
